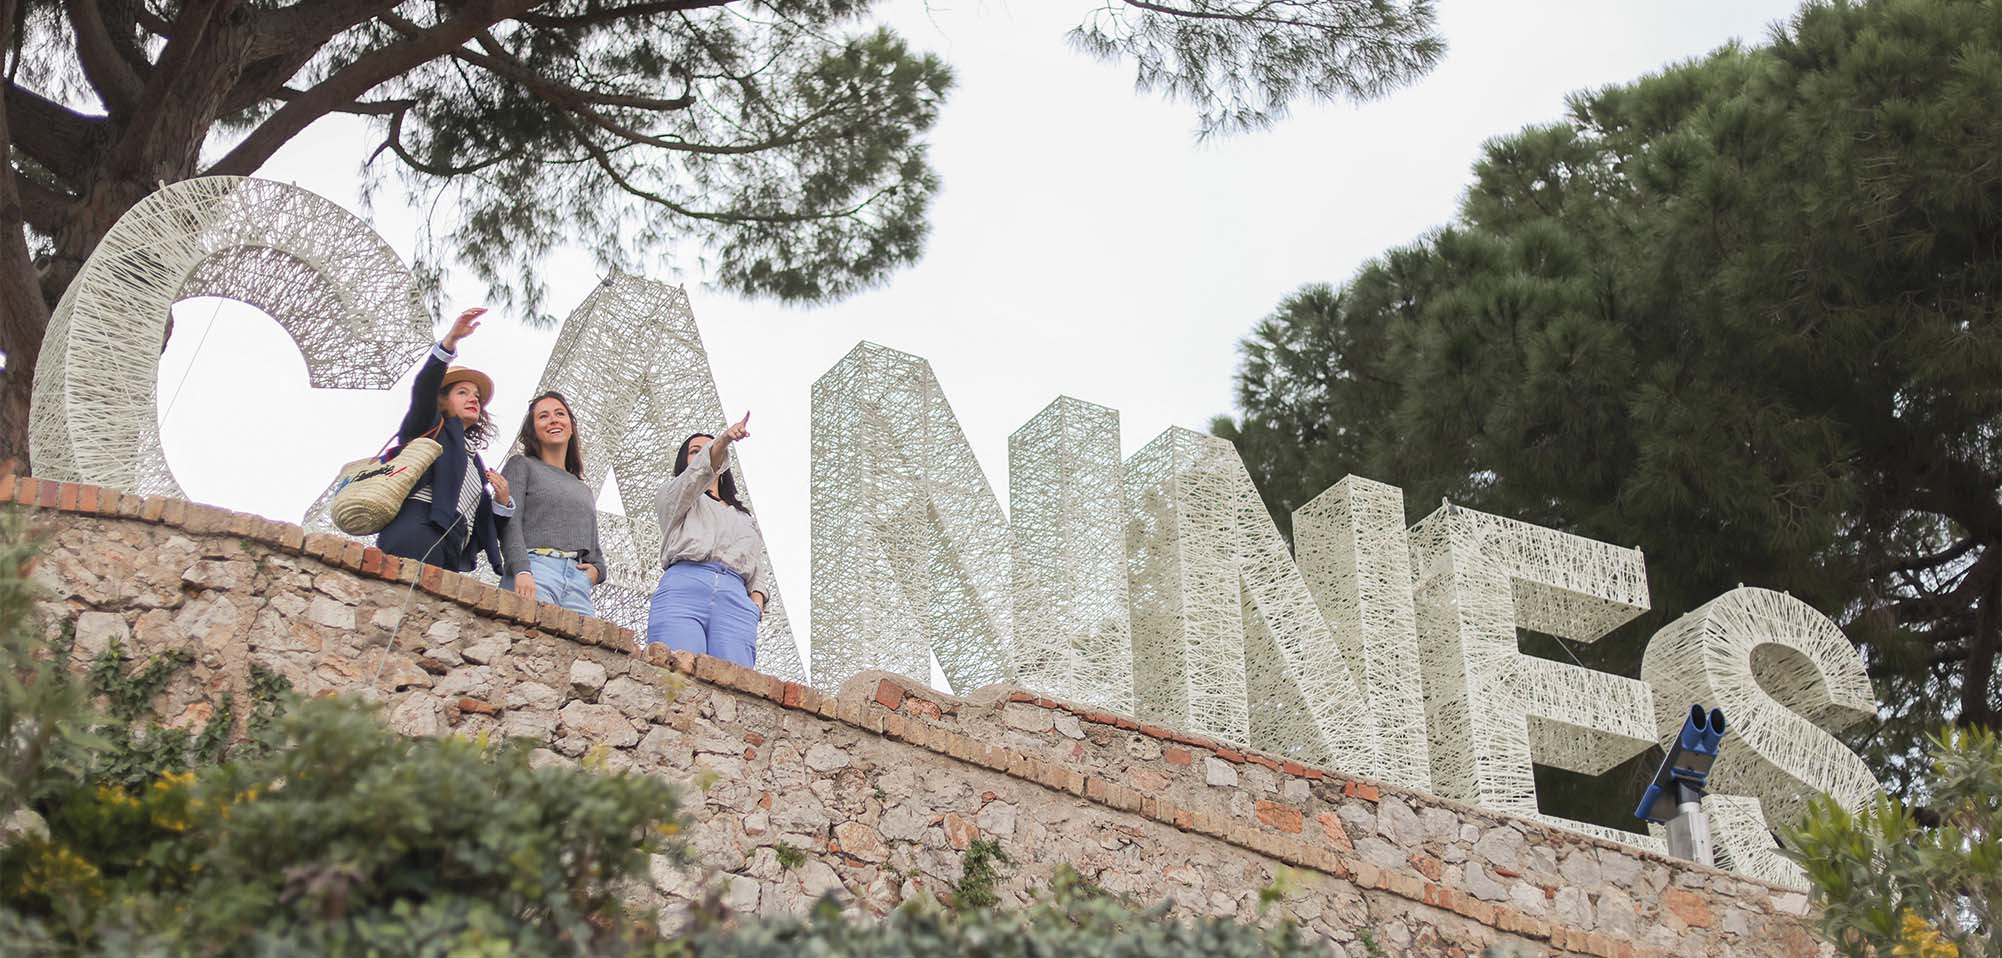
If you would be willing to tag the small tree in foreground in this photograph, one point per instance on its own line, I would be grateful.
(1912, 882)
(347, 840)
(1070, 917)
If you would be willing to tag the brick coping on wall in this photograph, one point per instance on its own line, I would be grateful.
(910, 712)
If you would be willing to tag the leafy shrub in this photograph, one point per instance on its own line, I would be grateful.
(979, 871)
(1900, 882)
(1071, 917)
(349, 839)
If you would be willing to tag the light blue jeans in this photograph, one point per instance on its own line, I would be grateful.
(703, 607)
(558, 581)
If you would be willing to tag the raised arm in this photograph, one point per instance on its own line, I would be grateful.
(677, 495)
(423, 413)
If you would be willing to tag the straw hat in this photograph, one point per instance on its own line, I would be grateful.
(466, 374)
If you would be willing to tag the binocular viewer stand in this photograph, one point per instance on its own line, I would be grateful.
(1675, 798)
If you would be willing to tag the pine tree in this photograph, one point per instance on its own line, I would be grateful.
(1745, 313)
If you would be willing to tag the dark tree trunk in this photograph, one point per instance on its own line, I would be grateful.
(159, 144)
(23, 312)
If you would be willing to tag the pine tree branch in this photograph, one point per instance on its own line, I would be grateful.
(1924, 562)
(1244, 17)
(603, 159)
(308, 25)
(55, 136)
(116, 82)
(283, 41)
(357, 108)
(44, 207)
(615, 14)
(349, 82)
(580, 103)
(498, 61)
(26, 314)
(182, 56)
(394, 144)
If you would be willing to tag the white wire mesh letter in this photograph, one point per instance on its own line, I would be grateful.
(1073, 637)
(1227, 639)
(1785, 677)
(910, 548)
(1491, 709)
(1353, 551)
(329, 281)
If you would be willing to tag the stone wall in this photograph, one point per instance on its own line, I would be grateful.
(882, 786)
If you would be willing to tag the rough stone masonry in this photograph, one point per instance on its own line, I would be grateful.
(882, 786)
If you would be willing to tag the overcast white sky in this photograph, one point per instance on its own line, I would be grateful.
(1083, 244)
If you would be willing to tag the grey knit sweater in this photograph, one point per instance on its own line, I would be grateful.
(552, 510)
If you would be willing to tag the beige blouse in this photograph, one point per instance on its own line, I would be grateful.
(696, 527)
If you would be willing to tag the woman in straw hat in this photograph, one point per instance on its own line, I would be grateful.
(451, 518)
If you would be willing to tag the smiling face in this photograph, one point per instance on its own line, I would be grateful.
(551, 422)
(462, 400)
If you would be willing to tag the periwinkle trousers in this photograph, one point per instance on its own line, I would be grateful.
(704, 607)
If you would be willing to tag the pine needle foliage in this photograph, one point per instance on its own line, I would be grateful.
(1744, 313)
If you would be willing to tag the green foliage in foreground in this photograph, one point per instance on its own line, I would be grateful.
(1914, 883)
(345, 839)
(327, 834)
(1071, 917)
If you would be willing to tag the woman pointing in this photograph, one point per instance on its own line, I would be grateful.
(712, 590)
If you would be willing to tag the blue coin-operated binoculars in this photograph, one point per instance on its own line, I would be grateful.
(1675, 797)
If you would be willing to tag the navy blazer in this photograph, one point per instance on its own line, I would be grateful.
(445, 475)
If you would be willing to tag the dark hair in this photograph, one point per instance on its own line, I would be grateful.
(573, 456)
(726, 487)
(479, 432)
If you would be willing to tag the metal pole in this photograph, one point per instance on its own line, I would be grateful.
(1689, 834)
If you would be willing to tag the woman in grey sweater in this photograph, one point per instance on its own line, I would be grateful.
(551, 544)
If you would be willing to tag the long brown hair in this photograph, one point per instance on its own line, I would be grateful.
(726, 487)
(573, 454)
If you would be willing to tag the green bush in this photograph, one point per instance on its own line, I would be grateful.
(348, 839)
(1901, 882)
(1071, 917)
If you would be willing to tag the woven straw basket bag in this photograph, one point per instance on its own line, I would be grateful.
(371, 491)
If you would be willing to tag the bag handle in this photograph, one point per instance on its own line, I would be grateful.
(427, 434)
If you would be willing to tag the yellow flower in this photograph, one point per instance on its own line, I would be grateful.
(173, 781)
(113, 795)
(668, 828)
(1917, 938)
(59, 872)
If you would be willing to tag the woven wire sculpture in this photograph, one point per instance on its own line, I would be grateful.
(1493, 710)
(1354, 552)
(326, 277)
(910, 548)
(1228, 640)
(1073, 635)
(1786, 678)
